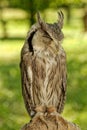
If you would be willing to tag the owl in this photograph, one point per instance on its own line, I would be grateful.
(43, 67)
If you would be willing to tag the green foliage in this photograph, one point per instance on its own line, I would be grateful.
(32, 6)
(12, 112)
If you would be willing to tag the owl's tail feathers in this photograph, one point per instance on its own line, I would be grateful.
(37, 109)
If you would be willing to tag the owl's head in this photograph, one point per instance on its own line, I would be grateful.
(52, 30)
(43, 34)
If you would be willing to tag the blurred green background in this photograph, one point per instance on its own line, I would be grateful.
(16, 17)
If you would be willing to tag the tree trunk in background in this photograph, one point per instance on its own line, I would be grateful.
(3, 23)
(85, 21)
(32, 18)
(68, 14)
(4, 28)
(68, 9)
(32, 11)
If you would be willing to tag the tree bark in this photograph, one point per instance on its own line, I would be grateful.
(49, 122)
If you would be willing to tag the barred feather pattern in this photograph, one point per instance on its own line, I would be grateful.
(44, 80)
(43, 70)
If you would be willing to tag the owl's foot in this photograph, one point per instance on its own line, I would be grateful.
(40, 116)
(41, 109)
(51, 109)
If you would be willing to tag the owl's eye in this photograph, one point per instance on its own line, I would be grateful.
(47, 36)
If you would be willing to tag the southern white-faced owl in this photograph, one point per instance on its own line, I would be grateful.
(43, 67)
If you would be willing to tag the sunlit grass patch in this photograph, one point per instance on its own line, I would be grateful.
(12, 112)
(10, 49)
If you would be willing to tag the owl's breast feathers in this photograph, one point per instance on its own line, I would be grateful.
(44, 79)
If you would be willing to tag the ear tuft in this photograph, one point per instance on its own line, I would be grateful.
(60, 19)
(39, 18)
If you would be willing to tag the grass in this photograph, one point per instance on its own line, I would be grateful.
(12, 111)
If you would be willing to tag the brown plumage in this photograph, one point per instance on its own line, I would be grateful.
(43, 67)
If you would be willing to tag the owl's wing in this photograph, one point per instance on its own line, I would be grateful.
(64, 71)
(26, 82)
(26, 70)
(63, 80)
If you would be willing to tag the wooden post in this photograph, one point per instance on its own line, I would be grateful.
(50, 122)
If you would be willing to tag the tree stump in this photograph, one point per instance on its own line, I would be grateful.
(50, 122)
